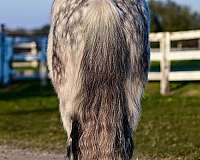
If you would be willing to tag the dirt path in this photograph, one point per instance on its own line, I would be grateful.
(7, 153)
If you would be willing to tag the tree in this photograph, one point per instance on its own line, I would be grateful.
(169, 16)
(42, 31)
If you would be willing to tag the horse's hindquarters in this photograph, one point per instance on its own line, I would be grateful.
(98, 59)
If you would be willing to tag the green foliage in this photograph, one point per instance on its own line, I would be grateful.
(42, 31)
(169, 16)
(165, 16)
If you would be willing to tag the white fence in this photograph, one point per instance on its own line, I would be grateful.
(165, 55)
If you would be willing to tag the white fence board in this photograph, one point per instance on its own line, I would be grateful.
(177, 55)
(185, 35)
(156, 56)
(184, 75)
(176, 76)
(154, 76)
(155, 37)
(184, 55)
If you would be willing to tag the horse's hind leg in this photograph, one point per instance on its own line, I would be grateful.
(67, 123)
(69, 154)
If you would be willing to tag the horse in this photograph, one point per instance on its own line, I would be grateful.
(98, 60)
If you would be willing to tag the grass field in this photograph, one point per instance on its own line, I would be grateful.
(169, 127)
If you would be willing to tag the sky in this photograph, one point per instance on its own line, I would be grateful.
(36, 13)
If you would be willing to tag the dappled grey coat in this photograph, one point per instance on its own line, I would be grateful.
(98, 58)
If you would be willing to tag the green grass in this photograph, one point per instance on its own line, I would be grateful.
(169, 126)
(29, 117)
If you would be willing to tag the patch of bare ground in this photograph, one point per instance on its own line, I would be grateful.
(9, 153)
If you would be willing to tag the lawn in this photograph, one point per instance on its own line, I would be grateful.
(169, 126)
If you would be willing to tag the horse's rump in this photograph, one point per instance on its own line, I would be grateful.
(102, 52)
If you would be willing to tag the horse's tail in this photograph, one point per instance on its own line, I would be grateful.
(102, 118)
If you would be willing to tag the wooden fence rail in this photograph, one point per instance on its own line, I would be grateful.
(165, 55)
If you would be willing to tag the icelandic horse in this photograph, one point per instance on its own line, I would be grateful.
(98, 60)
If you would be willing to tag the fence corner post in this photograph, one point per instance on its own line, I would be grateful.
(2, 50)
(7, 77)
(43, 67)
(165, 64)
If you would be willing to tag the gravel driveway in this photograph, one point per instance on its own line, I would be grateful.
(7, 153)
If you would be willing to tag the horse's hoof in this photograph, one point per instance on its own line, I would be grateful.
(69, 155)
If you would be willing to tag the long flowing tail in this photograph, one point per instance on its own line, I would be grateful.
(102, 119)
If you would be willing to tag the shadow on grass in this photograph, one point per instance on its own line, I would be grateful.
(26, 112)
(25, 89)
(176, 86)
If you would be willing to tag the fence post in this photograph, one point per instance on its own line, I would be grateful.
(165, 63)
(43, 67)
(34, 51)
(7, 62)
(2, 50)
